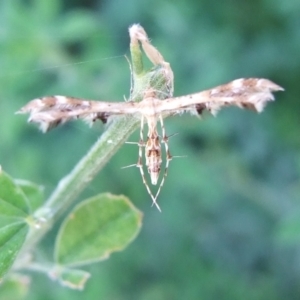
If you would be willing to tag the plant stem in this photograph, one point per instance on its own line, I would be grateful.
(86, 169)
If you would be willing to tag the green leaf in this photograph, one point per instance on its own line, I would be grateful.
(12, 238)
(33, 192)
(72, 278)
(12, 200)
(96, 227)
(13, 226)
(14, 287)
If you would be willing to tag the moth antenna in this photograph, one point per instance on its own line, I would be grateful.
(155, 203)
(133, 165)
(173, 134)
(179, 156)
(161, 183)
(140, 143)
(165, 139)
(140, 166)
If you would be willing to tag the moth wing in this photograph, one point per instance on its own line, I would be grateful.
(51, 111)
(250, 93)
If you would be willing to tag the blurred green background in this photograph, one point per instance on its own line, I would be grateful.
(230, 226)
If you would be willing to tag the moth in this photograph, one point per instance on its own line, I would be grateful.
(250, 93)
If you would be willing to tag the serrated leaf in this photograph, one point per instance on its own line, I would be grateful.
(12, 238)
(95, 228)
(33, 192)
(72, 278)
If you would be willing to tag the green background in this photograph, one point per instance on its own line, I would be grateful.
(230, 226)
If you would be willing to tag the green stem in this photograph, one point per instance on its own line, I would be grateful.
(108, 144)
(86, 169)
(136, 58)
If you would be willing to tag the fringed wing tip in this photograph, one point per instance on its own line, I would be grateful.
(266, 83)
(23, 110)
(44, 123)
(49, 112)
(44, 127)
(261, 99)
(32, 106)
(249, 93)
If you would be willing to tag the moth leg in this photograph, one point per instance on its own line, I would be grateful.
(140, 144)
(169, 157)
(139, 164)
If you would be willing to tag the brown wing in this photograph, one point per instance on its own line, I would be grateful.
(251, 93)
(51, 111)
